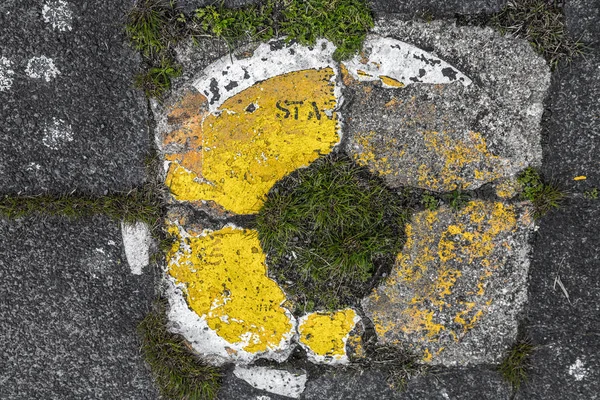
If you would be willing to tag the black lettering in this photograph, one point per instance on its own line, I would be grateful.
(285, 110)
(317, 113)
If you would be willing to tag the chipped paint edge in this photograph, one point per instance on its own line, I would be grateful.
(194, 328)
(273, 380)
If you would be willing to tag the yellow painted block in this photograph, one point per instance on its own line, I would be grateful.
(325, 333)
(258, 136)
(391, 81)
(225, 279)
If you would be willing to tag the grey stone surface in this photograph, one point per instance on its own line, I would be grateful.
(457, 290)
(69, 311)
(446, 8)
(447, 137)
(583, 20)
(85, 128)
(571, 134)
(566, 330)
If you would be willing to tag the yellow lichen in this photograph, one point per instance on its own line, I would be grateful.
(325, 333)
(507, 188)
(428, 268)
(225, 280)
(256, 138)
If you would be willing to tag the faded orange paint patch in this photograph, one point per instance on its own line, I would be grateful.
(235, 156)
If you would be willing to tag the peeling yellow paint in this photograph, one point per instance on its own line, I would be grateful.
(429, 269)
(580, 178)
(257, 137)
(325, 333)
(391, 81)
(225, 280)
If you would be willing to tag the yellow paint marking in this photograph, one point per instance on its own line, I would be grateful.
(360, 72)
(225, 279)
(580, 178)
(324, 334)
(259, 136)
(391, 81)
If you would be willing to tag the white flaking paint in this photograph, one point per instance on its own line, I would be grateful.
(57, 134)
(6, 74)
(281, 382)
(136, 241)
(31, 167)
(320, 359)
(194, 328)
(578, 371)
(383, 56)
(41, 67)
(58, 14)
(224, 78)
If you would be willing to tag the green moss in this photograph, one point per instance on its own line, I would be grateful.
(327, 229)
(541, 22)
(343, 22)
(430, 202)
(516, 363)
(591, 194)
(544, 196)
(457, 199)
(178, 372)
(141, 204)
(157, 79)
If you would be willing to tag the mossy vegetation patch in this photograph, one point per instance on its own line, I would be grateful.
(544, 196)
(179, 373)
(542, 23)
(515, 365)
(329, 230)
(154, 27)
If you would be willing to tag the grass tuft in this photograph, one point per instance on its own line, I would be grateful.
(343, 22)
(141, 204)
(328, 230)
(430, 202)
(457, 199)
(541, 22)
(517, 362)
(544, 196)
(178, 372)
(157, 80)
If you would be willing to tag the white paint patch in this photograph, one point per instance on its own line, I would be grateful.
(41, 67)
(6, 74)
(402, 62)
(578, 371)
(57, 134)
(223, 79)
(32, 167)
(58, 14)
(281, 382)
(321, 359)
(136, 241)
(194, 328)
(263, 398)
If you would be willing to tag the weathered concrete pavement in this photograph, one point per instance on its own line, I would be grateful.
(69, 303)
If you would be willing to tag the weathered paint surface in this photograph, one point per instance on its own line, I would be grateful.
(6, 74)
(235, 155)
(136, 242)
(324, 335)
(58, 14)
(397, 64)
(451, 270)
(57, 134)
(445, 161)
(41, 67)
(277, 381)
(223, 274)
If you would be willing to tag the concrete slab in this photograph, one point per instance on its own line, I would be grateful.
(69, 310)
(433, 8)
(581, 17)
(69, 116)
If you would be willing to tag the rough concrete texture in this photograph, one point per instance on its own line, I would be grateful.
(456, 291)
(69, 311)
(434, 8)
(447, 137)
(582, 19)
(564, 323)
(572, 126)
(70, 118)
